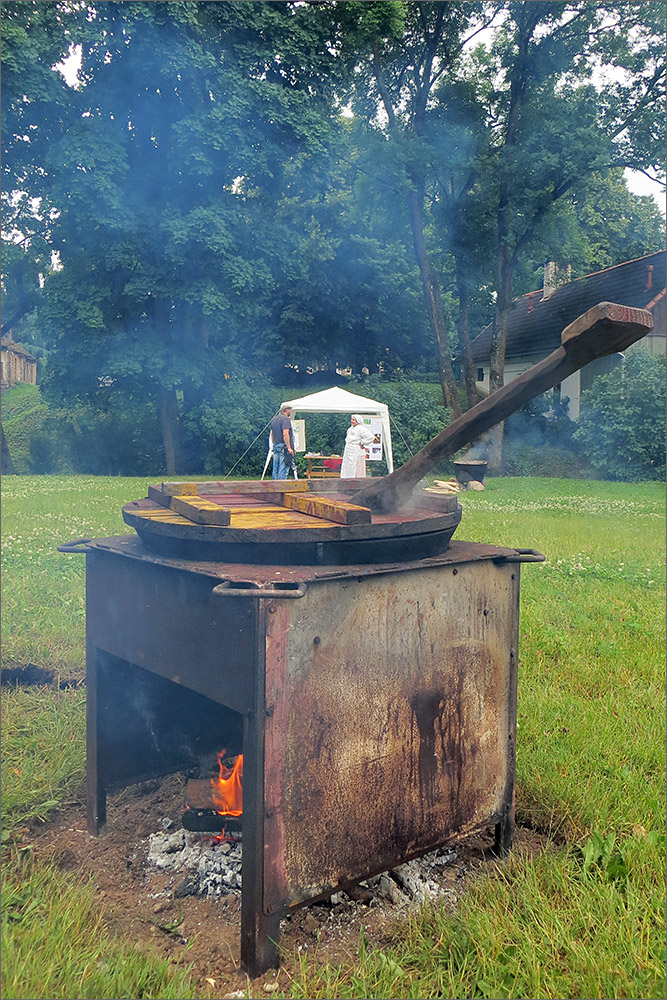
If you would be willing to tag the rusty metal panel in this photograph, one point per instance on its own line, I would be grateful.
(390, 721)
(168, 621)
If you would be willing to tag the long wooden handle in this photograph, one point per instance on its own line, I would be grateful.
(605, 329)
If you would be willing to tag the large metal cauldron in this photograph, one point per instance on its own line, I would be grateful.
(374, 703)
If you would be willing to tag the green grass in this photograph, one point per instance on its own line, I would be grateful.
(534, 929)
(39, 513)
(55, 944)
(43, 752)
(586, 918)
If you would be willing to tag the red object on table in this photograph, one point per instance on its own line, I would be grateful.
(332, 464)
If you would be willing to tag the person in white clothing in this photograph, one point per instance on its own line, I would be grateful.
(357, 440)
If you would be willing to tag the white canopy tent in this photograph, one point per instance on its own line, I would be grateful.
(338, 400)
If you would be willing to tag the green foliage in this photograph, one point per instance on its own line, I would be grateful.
(544, 460)
(24, 414)
(598, 225)
(111, 438)
(621, 429)
(208, 205)
(226, 426)
(538, 441)
(602, 855)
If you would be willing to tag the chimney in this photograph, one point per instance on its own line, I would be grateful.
(555, 276)
(649, 277)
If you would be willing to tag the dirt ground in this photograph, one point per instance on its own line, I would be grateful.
(142, 901)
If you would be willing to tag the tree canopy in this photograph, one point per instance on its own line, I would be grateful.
(230, 187)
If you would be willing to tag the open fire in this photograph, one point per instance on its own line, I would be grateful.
(216, 804)
(227, 789)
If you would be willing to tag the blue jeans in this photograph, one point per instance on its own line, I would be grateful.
(279, 466)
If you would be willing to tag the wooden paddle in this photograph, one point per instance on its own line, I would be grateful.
(605, 329)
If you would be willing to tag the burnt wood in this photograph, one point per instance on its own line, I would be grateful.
(210, 821)
(605, 329)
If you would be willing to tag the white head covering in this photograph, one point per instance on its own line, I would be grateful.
(360, 420)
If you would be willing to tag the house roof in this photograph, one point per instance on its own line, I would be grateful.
(10, 345)
(536, 323)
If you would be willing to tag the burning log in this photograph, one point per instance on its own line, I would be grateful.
(216, 804)
(605, 329)
(210, 821)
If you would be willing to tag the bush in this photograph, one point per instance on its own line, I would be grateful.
(121, 439)
(527, 460)
(543, 421)
(24, 414)
(621, 430)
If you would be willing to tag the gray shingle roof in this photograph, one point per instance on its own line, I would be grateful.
(537, 323)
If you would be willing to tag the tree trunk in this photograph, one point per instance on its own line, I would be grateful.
(434, 309)
(6, 463)
(498, 348)
(196, 336)
(170, 431)
(526, 24)
(469, 379)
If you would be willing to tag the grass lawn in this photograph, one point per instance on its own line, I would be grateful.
(584, 919)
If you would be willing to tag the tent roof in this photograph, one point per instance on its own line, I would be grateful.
(336, 400)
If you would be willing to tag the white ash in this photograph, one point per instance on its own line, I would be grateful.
(212, 867)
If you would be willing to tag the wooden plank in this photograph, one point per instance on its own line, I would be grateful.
(234, 500)
(278, 518)
(266, 487)
(199, 793)
(179, 489)
(339, 511)
(157, 495)
(200, 511)
(276, 486)
(261, 509)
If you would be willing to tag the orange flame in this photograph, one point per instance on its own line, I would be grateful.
(228, 787)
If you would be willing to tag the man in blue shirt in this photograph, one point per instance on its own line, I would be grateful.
(283, 442)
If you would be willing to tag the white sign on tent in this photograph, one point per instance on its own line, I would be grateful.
(375, 448)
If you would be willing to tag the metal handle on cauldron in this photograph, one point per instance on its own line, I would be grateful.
(73, 548)
(521, 556)
(225, 589)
